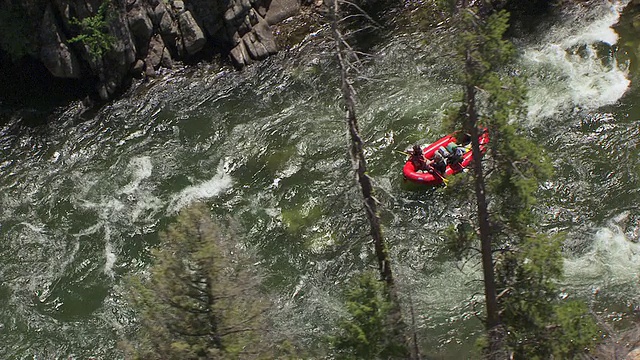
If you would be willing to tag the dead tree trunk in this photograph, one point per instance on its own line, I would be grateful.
(358, 158)
(360, 165)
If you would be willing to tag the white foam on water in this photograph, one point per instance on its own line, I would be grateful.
(104, 208)
(110, 256)
(612, 261)
(141, 168)
(141, 200)
(569, 73)
(218, 184)
(35, 244)
(109, 253)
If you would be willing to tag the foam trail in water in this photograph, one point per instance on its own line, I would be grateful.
(140, 198)
(568, 70)
(109, 254)
(141, 168)
(219, 183)
(612, 261)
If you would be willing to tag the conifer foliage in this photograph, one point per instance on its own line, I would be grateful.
(365, 333)
(202, 297)
(94, 32)
(525, 317)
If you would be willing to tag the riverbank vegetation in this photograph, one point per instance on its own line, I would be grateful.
(93, 32)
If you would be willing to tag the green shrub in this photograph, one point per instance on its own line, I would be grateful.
(94, 33)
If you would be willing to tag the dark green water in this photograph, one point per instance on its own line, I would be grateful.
(84, 196)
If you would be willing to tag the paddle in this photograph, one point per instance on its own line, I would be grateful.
(436, 172)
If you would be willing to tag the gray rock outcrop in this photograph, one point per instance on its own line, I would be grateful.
(148, 34)
(280, 10)
(192, 36)
(55, 53)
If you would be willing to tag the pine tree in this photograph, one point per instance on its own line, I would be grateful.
(201, 299)
(524, 315)
(365, 334)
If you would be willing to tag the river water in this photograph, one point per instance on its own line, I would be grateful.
(85, 194)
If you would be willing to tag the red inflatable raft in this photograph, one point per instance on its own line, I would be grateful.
(427, 178)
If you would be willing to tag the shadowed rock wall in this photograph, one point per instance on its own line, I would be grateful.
(149, 34)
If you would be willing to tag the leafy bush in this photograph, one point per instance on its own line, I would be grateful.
(94, 32)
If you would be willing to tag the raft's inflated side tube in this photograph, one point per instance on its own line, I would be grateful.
(426, 178)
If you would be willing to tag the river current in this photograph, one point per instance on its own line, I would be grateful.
(85, 194)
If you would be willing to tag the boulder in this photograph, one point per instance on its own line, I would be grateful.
(54, 52)
(138, 68)
(192, 36)
(124, 49)
(236, 11)
(264, 36)
(156, 50)
(209, 15)
(281, 9)
(149, 71)
(166, 24)
(178, 5)
(240, 56)
(256, 44)
(140, 25)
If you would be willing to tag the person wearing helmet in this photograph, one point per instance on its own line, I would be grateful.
(418, 160)
(438, 163)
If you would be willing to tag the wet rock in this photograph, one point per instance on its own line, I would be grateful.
(149, 71)
(281, 9)
(257, 44)
(111, 86)
(137, 70)
(240, 56)
(264, 36)
(102, 92)
(166, 60)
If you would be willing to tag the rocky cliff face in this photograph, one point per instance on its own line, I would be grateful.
(148, 34)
